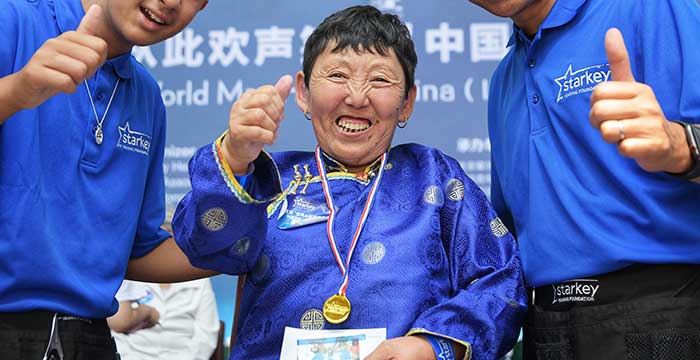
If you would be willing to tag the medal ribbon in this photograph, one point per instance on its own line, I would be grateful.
(344, 268)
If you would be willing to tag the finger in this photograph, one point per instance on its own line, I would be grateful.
(604, 110)
(380, 353)
(267, 99)
(284, 86)
(252, 134)
(76, 69)
(256, 117)
(91, 21)
(616, 90)
(58, 82)
(639, 148)
(94, 43)
(614, 131)
(618, 58)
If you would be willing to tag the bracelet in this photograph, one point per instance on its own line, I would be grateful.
(442, 347)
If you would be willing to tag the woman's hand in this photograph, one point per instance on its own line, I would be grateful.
(253, 122)
(403, 348)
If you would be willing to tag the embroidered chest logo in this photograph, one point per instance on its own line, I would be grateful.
(133, 140)
(581, 81)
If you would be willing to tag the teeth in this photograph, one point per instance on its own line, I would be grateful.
(153, 16)
(351, 126)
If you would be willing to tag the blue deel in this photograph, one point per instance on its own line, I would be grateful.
(432, 258)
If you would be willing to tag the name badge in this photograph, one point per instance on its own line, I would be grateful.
(300, 212)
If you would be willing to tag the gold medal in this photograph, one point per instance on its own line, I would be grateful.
(336, 309)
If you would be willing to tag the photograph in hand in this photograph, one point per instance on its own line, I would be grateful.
(331, 348)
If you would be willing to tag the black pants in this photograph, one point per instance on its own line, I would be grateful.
(25, 336)
(629, 317)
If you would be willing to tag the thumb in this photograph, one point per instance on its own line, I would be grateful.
(284, 86)
(618, 58)
(91, 21)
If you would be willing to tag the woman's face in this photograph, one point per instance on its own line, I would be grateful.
(355, 101)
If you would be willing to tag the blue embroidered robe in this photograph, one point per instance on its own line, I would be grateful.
(433, 257)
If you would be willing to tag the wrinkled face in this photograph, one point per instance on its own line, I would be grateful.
(145, 22)
(355, 101)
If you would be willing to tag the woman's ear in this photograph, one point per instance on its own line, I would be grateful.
(407, 107)
(302, 95)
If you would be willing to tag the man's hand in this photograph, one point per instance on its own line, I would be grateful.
(627, 113)
(253, 122)
(62, 63)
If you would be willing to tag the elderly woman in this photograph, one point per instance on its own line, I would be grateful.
(356, 234)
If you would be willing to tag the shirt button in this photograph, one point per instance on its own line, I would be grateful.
(531, 63)
(535, 99)
(99, 97)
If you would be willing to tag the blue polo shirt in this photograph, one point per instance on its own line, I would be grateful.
(578, 207)
(72, 212)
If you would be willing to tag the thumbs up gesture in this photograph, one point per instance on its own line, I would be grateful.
(62, 63)
(627, 113)
(253, 122)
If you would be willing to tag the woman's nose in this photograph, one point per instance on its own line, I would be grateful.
(357, 95)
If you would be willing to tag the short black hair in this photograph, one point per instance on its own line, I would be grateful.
(364, 28)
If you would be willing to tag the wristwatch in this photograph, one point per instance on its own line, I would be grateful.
(692, 135)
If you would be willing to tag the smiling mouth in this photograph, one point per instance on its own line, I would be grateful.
(353, 126)
(153, 17)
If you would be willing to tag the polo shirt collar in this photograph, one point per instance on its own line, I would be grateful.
(561, 13)
(68, 14)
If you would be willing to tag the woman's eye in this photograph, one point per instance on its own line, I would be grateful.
(337, 75)
(380, 79)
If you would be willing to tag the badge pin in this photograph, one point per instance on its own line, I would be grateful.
(301, 211)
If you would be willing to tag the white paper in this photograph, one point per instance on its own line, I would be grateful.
(348, 344)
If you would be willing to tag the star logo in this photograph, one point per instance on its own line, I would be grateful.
(133, 140)
(581, 81)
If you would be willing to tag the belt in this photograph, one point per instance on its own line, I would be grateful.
(42, 320)
(630, 283)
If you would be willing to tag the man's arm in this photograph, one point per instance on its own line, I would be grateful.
(8, 103)
(165, 264)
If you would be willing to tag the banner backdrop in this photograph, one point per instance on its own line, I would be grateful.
(233, 46)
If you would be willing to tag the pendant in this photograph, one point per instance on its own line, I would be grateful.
(99, 136)
(336, 309)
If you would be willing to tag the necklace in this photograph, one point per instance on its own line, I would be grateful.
(336, 308)
(99, 136)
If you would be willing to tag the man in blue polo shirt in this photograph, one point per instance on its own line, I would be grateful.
(592, 151)
(81, 180)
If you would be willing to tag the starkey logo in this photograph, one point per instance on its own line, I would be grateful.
(578, 290)
(581, 81)
(133, 140)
